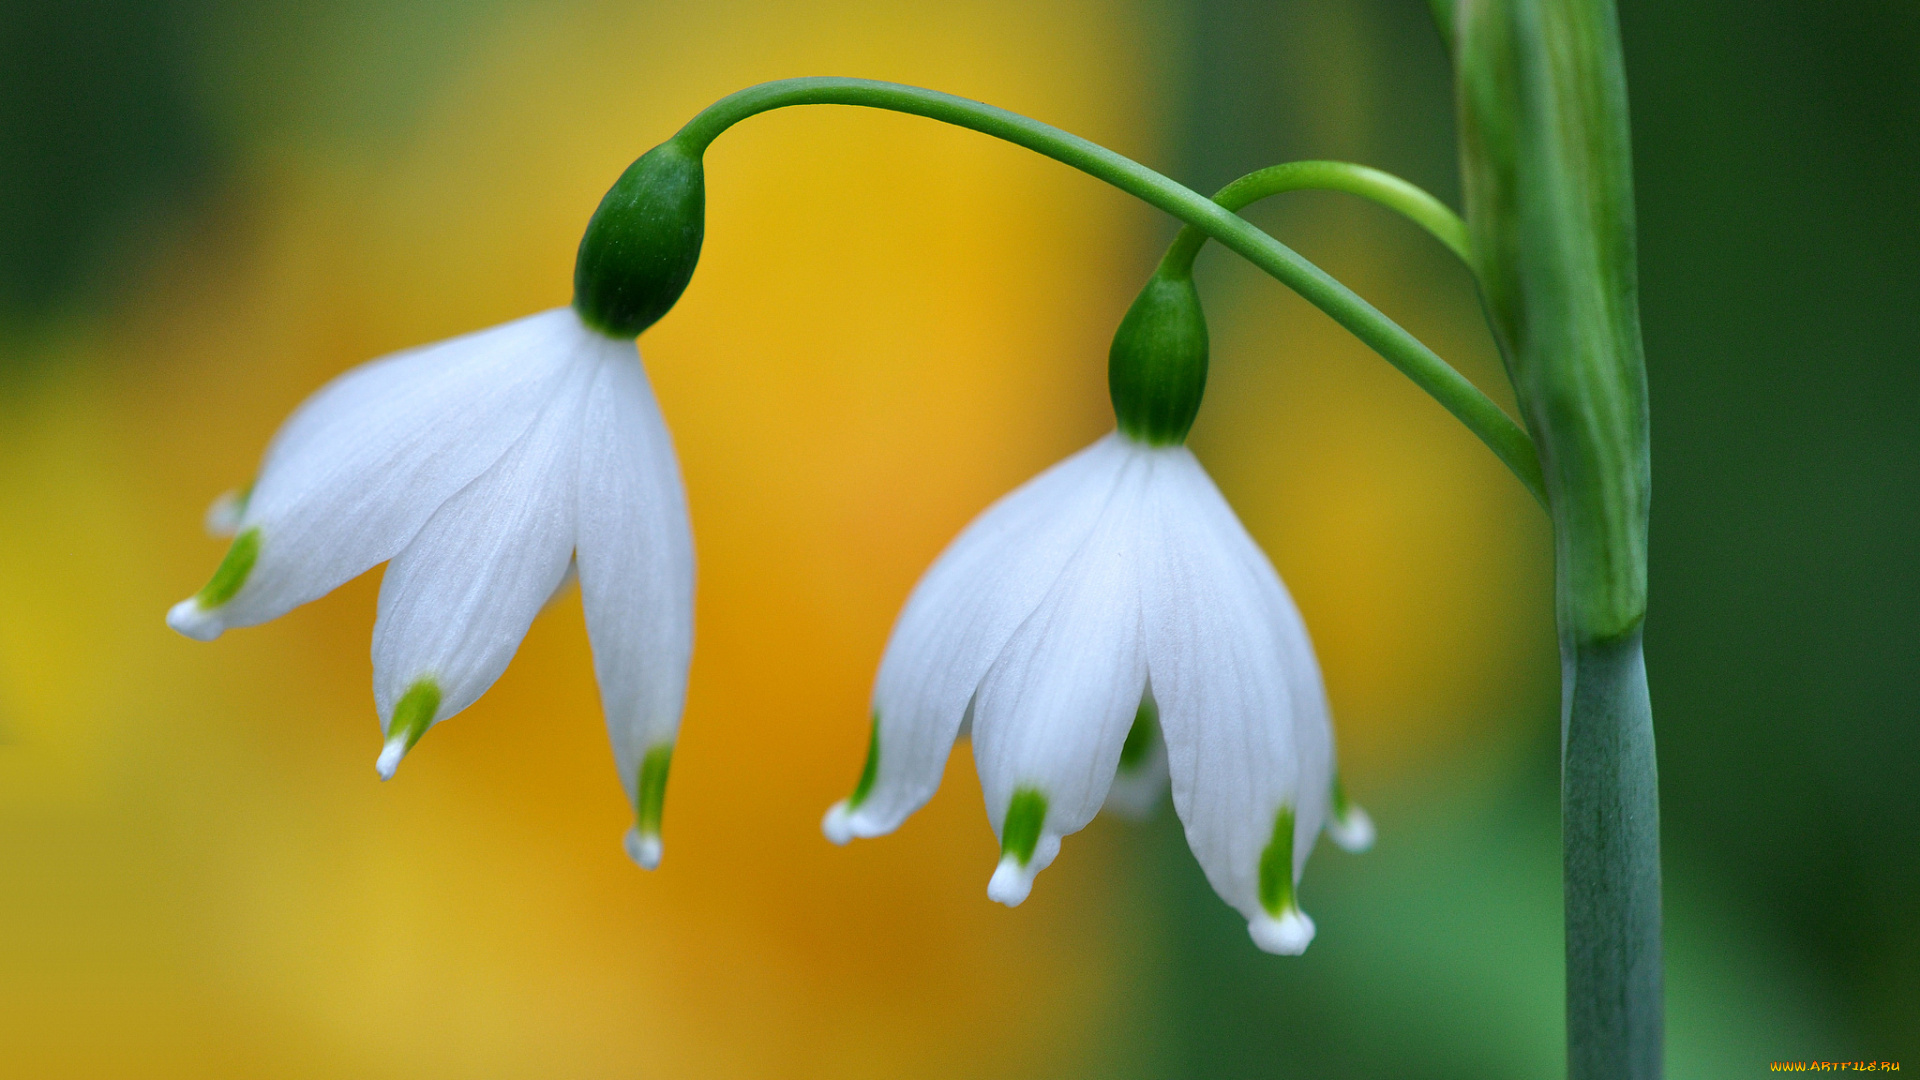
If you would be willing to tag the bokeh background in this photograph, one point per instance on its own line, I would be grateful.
(208, 207)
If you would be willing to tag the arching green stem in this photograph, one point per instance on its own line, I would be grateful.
(1384, 188)
(1401, 349)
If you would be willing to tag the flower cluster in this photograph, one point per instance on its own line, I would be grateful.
(1106, 633)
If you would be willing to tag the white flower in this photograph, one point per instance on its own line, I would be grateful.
(1105, 629)
(482, 467)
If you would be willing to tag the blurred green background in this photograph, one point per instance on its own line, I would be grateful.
(207, 207)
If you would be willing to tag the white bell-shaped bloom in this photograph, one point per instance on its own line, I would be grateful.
(1105, 631)
(480, 469)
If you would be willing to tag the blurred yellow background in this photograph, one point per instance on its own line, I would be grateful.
(893, 323)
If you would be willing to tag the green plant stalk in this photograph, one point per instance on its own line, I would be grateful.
(1443, 15)
(1454, 392)
(1405, 199)
(1546, 162)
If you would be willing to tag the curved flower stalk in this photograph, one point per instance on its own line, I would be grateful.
(1107, 631)
(481, 469)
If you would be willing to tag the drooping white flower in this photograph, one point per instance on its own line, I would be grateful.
(1106, 630)
(479, 469)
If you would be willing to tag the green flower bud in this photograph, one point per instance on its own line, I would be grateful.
(1157, 368)
(643, 242)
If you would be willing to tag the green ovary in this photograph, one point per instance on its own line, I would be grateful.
(1276, 866)
(1157, 365)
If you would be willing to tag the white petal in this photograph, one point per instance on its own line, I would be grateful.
(959, 617)
(644, 848)
(1241, 703)
(636, 583)
(1289, 934)
(1012, 880)
(455, 604)
(568, 580)
(1140, 784)
(1054, 709)
(362, 464)
(223, 517)
(1348, 826)
(1353, 830)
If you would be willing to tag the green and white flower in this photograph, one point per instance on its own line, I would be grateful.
(479, 469)
(1105, 631)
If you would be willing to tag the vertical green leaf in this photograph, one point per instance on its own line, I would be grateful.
(1548, 180)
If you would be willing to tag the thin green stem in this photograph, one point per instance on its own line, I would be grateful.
(1454, 392)
(1384, 188)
